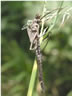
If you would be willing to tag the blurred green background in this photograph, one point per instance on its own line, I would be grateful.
(17, 60)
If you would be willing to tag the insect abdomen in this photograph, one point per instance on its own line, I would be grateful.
(39, 64)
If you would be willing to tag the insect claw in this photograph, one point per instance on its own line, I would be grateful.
(24, 27)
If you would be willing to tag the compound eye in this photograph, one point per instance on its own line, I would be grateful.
(37, 26)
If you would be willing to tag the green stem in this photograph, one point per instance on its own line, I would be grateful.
(44, 10)
(32, 80)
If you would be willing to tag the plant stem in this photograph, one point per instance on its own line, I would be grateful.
(44, 10)
(32, 80)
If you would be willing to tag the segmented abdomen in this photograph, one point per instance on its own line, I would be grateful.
(39, 64)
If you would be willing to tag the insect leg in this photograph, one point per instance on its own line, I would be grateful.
(24, 27)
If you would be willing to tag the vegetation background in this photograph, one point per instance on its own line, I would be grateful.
(17, 60)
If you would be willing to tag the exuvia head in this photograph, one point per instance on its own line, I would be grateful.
(37, 17)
